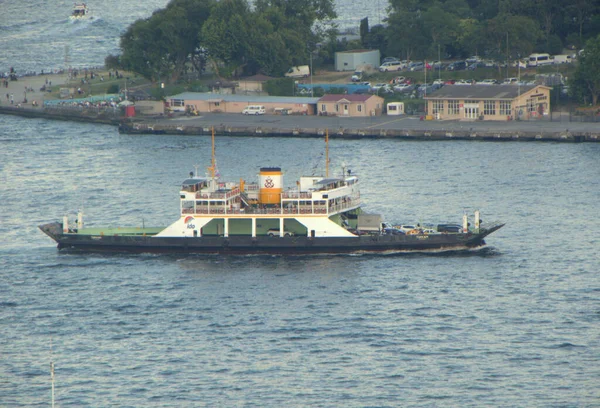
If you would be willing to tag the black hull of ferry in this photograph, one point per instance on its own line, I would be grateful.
(244, 245)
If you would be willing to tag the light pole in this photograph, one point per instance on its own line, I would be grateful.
(311, 69)
(439, 64)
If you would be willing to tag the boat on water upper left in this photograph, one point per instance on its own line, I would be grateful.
(80, 11)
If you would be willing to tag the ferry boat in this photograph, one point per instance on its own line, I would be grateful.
(320, 214)
(80, 11)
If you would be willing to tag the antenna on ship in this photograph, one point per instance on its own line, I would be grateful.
(213, 161)
(327, 153)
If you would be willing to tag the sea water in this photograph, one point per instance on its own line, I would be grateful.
(515, 324)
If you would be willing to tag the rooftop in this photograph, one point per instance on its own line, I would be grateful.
(481, 91)
(216, 97)
(347, 97)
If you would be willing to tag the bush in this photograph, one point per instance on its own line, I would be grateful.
(280, 87)
(113, 89)
(555, 45)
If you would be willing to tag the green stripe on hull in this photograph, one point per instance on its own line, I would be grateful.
(121, 231)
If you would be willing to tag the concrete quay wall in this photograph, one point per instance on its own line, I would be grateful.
(315, 127)
(366, 133)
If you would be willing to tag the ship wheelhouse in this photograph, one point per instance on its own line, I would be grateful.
(318, 206)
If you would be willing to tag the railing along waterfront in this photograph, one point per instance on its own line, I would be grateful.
(287, 210)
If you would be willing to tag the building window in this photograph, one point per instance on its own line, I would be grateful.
(217, 104)
(178, 102)
(438, 107)
(359, 108)
(505, 108)
(489, 108)
(531, 105)
(453, 107)
(323, 108)
(337, 107)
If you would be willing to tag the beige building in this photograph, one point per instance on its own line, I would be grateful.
(350, 105)
(227, 103)
(489, 102)
(253, 84)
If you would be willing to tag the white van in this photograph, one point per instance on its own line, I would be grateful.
(562, 59)
(254, 110)
(301, 71)
(390, 66)
(536, 60)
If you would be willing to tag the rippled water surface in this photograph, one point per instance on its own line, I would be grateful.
(516, 324)
(39, 35)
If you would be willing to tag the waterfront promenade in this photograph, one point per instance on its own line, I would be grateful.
(305, 126)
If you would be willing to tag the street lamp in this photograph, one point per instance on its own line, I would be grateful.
(311, 73)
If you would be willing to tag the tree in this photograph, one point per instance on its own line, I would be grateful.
(523, 31)
(585, 82)
(226, 34)
(160, 46)
(364, 30)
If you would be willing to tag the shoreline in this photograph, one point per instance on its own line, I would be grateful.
(379, 127)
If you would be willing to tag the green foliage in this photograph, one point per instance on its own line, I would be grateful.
(112, 62)
(162, 45)
(364, 30)
(280, 87)
(465, 27)
(112, 89)
(554, 44)
(585, 82)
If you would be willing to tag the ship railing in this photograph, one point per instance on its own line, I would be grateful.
(296, 195)
(303, 210)
(345, 205)
(234, 192)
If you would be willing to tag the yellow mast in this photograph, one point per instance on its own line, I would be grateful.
(213, 162)
(327, 153)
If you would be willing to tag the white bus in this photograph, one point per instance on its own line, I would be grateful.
(535, 60)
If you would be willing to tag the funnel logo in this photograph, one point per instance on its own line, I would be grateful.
(269, 183)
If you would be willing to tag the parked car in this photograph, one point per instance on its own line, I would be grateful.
(489, 64)
(456, 66)
(357, 76)
(449, 228)
(390, 66)
(417, 66)
(399, 80)
(437, 65)
(520, 64)
(380, 87)
(476, 65)
(393, 231)
(389, 59)
(274, 232)
(406, 228)
(487, 82)
(404, 88)
(463, 82)
(473, 59)
(254, 110)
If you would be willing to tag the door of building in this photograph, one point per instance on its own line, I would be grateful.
(471, 110)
